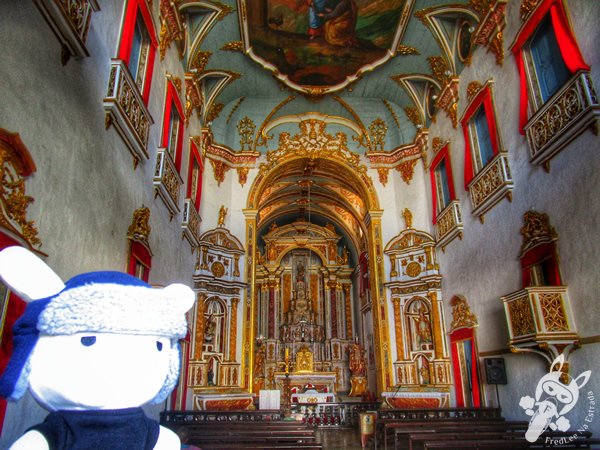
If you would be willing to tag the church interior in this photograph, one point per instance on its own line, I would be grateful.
(385, 201)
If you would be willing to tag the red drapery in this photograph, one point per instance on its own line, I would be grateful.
(566, 41)
(543, 252)
(443, 154)
(173, 99)
(140, 253)
(484, 97)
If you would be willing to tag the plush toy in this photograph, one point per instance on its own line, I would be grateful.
(93, 351)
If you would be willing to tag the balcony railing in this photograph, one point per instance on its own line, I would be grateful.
(125, 109)
(70, 22)
(449, 224)
(491, 185)
(191, 223)
(167, 181)
(539, 316)
(566, 115)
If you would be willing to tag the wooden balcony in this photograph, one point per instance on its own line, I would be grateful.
(491, 185)
(449, 224)
(566, 115)
(70, 22)
(540, 317)
(125, 109)
(191, 223)
(167, 181)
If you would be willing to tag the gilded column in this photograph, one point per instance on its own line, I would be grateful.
(204, 257)
(380, 320)
(250, 299)
(271, 320)
(393, 271)
(349, 334)
(233, 329)
(199, 338)
(398, 328)
(332, 284)
(236, 265)
(437, 326)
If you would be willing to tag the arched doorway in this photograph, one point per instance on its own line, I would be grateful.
(321, 210)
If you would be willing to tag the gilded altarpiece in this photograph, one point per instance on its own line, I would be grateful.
(303, 288)
(422, 365)
(215, 369)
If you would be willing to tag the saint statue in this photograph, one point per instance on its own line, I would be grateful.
(357, 363)
(423, 326)
(222, 214)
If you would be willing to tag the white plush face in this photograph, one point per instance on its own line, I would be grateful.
(98, 370)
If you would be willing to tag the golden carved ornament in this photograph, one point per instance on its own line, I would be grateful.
(521, 317)
(406, 50)
(220, 168)
(383, 175)
(200, 61)
(527, 6)
(313, 143)
(246, 129)
(408, 217)
(439, 68)
(139, 230)
(537, 229)
(473, 88)
(413, 115)
(553, 311)
(462, 317)
(234, 46)
(242, 175)
(234, 109)
(15, 164)
(378, 129)
(437, 143)
(218, 269)
(413, 269)
(224, 9)
(392, 112)
(214, 112)
(407, 169)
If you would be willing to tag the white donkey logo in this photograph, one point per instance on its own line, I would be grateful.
(553, 399)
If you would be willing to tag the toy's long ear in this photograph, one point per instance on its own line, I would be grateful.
(182, 295)
(27, 275)
(559, 361)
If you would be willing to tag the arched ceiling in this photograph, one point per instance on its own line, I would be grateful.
(256, 74)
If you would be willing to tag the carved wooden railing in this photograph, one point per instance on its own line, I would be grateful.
(181, 417)
(449, 224)
(125, 109)
(167, 181)
(191, 223)
(333, 415)
(566, 115)
(539, 317)
(70, 22)
(491, 185)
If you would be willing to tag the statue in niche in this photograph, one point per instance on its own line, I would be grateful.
(423, 326)
(209, 330)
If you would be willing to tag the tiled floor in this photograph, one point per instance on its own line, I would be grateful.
(341, 439)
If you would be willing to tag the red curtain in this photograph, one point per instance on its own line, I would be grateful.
(566, 42)
(538, 254)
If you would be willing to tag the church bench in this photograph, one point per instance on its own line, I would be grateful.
(402, 435)
(271, 445)
(386, 429)
(509, 444)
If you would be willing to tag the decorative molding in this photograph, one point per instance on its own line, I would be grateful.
(407, 169)
(527, 7)
(462, 317)
(489, 31)
(219, 168)
(243, 175)
(378, 130)
(383, 175)
(139, 229)
(246, 129)
(213, 112)
(448, 100)
(15, 165)
(172, 27)
(473, 89)
(193, 97)
(235, 46)
(200, 60)
(536, 230)
(406, 50)
(70, 22)
(413, 115)
(234, 109)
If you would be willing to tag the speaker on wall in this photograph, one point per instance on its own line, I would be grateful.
(495, 372)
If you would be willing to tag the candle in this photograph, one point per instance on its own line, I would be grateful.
(287, 354)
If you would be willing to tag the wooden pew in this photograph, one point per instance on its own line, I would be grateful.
(516, 444)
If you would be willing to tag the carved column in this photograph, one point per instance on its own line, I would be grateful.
(204, 251)
(199, 339)
(332, 284)
(398, 328)
(251, 299)
(437, 326)
(271, 320)
(236, 265)
(393, 271)
(233, 329)
(347, 300)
